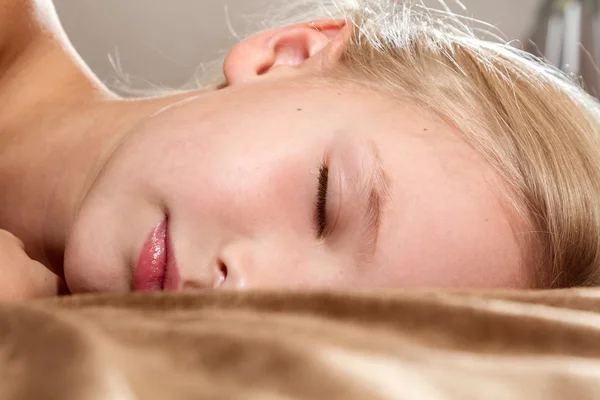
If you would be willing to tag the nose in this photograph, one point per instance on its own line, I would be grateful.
(252, 263)
(263, 264)
(215, 277)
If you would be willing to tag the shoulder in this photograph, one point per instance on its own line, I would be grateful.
(25, 22)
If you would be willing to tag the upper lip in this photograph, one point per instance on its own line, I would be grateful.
(156, 267)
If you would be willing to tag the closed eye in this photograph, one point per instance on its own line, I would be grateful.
(321, 206)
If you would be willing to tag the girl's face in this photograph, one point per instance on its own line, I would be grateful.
(288, 182)
(283, 180)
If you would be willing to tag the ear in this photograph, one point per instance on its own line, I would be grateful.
(306, 45)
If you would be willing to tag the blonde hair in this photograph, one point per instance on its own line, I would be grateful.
(535, 125)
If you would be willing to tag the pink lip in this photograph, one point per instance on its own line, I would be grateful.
(156, 268)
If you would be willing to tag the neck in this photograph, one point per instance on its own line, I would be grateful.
(58, 127)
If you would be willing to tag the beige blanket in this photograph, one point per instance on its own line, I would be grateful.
(394, 345)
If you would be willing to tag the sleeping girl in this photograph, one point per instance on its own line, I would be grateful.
(373, 144)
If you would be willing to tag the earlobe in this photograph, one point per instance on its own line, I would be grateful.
(292, 46)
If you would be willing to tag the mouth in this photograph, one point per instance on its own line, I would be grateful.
(156, 268)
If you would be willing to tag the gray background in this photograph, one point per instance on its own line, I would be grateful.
(164, 41)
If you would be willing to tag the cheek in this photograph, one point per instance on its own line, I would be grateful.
(247, 194)
(235, 179)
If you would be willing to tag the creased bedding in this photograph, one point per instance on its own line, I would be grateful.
(384, 345)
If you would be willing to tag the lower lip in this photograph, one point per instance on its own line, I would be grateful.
(156, 269)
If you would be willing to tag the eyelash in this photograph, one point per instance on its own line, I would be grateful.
(321, 208)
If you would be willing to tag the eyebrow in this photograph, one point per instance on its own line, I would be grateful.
(375, 193)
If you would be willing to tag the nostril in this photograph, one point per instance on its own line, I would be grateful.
(223, 272)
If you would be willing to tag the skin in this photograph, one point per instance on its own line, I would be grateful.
(237, 172)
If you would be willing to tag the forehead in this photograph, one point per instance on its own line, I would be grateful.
(446, 223)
